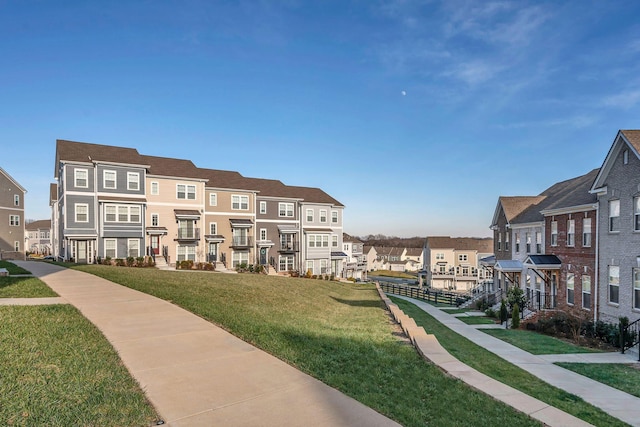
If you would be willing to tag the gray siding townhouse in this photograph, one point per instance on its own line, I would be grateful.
(321, 231)
(101, 203)
(617, 187)
(12, 236)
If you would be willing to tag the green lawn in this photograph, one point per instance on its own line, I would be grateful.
(12, 268)
(56, 369)
(24, 287)
(477, 320)
(388, 273)
(452, 310)
(339, 333)
(505, 372)
(536, 343)
(622, 377)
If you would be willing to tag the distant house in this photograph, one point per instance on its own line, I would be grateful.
(12, 236)
(453, 263)
(38, 237)
(356, 262)
(414, 259)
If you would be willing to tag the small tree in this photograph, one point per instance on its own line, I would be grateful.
(504, 314)
(515, 317)
(515, 296)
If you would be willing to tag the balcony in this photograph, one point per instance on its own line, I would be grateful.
(288, 247)
(188, 234)
(241, 242)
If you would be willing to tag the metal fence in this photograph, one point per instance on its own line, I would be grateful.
(424, 294)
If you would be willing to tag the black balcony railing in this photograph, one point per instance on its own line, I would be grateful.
(288, 247)
(241, 242)
(188, 234)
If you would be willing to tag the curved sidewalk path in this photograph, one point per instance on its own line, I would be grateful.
(612, 401)
(196, 374)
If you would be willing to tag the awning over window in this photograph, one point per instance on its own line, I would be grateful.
(214, 238)
(509, 265)
(318, 230)
(186, 214)
(543, 262)
(264, 243)
(241, 223)
(338, 255)
(156, 230)
(287, 229)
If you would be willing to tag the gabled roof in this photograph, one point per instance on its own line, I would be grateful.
(482, 245)
(512, 206)
(37, 225)
(630, 138)
(10, 178)
(576, 193)
(414, 251)
(166, 166)
(73, 151)
(313, 195)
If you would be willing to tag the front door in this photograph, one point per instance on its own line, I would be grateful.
(263, 256)
(213, 252)
(155, 244)
(82, 251)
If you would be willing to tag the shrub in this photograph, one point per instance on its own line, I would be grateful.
(106, 260)
(490, 312)
(309, 274)
(515, 296)
(150, 262)
(186, 264)
(515, 317)
(140, 261)
(130, 261)
(120, 262)
(504, 314)
(209, 266)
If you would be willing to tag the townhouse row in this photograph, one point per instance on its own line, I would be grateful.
(114, 202)
(576, 246)
(393, 258)
(12, 235)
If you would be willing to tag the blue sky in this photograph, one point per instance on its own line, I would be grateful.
(417, 115)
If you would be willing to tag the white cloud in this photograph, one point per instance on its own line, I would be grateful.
(624, 100)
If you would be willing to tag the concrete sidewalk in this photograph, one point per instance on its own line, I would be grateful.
(195, 373)
(612, 401)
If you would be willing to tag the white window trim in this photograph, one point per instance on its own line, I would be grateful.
(75, 211)
(213, 228)
(129, 209)
(137, 242)
(157, 217)
(213, 199)
(133, 178)
(288, 213)
(16, 200)
(334, 217)
(240, 198)
(187, 191)
(323, 218)
(155, 188)
(263, 208)
(307, 216)
(104, 178)
(14, 220)
(115, 248)
(263, 234)
(75, 177)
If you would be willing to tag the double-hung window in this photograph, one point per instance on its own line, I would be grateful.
(239, 202)
(263, 208)
(586, 292)
(16, 200)
(285, 209)
(110, 213)
(186, 192)
(636, 288)
(309, 215)
(133, 247)
(517, 243)
(213, 199)
(133, 181)
(109, 179)
(528, 237)
(614, 215)
(570, 288)
(110, 248)
(323, 215)
(614, 284)
(334, 217)
(636, 213)
(554, 233)
(82, 212)
(155, 188)
(14, 220)
(571, 232)
(538, 242)
(586, 232)
(81, 178)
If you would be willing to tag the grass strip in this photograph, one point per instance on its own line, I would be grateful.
(339, 333)
(58, 370)
(477, 320)
(621, 376)
(499, 369)
(24, 287)
(12, 268)
(536, 343)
